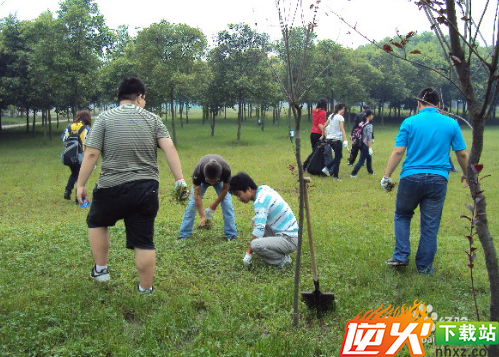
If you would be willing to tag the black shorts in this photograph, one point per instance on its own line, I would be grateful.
(135, 202)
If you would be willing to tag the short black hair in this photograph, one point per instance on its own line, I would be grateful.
(130, 88)
(429, 96)
(365, 107)
(367, 113)
(212, 170)
(241, 182)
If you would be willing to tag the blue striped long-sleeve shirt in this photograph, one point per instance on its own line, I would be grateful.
(273, 211)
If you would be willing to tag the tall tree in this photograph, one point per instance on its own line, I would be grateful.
(239, 55)
(84, 39)
(166, 55)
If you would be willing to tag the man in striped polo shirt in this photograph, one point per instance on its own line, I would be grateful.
(127, 138)
(275, 231)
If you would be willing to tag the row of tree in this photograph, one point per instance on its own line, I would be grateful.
(73, 61)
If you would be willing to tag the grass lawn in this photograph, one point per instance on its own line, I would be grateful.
(205, 302)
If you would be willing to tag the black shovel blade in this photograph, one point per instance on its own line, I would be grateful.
(322, 302)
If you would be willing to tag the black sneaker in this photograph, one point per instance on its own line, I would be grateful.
(146, 291)
(396, 263)
(67, 195)
(231, 238)
(100, 276)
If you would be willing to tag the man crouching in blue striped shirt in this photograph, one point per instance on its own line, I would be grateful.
(275, 231)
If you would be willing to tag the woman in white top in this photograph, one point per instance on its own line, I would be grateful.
(336, 139)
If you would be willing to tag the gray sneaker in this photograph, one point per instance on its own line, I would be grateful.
(325, 171)
(100, 276)
(287, 260)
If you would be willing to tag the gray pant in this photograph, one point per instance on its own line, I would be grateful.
(272, 248)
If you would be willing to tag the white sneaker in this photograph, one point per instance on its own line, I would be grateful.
(100, 276)
(353, 176)
(325, 171)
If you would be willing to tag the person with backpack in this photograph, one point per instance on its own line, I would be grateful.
(366, 145)
(356, 134)
(73, 139)
(334, 133)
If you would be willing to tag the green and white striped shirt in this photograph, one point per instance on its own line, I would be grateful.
(127, 138)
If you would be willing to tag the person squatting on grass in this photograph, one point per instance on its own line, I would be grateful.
(359, 120)
(211, 170)
(275, 231)
(318, 120)
(366, 147)
(334, 133)
(425, 138)
(82, 122)
(127, 137)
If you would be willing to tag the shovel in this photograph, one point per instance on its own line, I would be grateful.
(322, 302)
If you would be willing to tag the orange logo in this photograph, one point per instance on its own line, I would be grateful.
(383, 332)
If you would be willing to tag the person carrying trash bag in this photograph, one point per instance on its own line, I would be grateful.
(211, 170)
(275, 231)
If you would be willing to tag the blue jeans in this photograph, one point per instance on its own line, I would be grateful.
(428, 191)
(333, 164)
(364, 157)
(230, 230)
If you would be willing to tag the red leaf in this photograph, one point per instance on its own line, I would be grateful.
(463, 216)
(415, 52)
(470, 208)
(387, 48)
(410, 34)
(398, 45)
(471, 265)
(477, 168)
(485, 176)
(473, 249)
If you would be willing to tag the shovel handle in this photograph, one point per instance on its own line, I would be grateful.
(306, 180)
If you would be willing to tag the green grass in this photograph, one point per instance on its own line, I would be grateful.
(205, 302)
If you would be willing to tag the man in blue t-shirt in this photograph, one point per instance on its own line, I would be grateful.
(425, 138)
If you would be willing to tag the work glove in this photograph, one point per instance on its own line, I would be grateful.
(247, 259)
(208, 212)
(370, 152)
(181, 190)
(387, 183)
(345, 144)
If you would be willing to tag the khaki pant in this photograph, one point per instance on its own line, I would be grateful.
(272, 248)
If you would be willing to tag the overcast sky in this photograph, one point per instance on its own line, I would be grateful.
(377, 18)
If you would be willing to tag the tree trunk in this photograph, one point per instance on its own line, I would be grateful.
(240, 119)
(174, 132)
(50, 125)
(187, 112)
(212, 121)
(34, 122)
(27, 120)
(297, 114)
(0, 119)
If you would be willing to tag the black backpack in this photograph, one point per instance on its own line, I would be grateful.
(73, 148)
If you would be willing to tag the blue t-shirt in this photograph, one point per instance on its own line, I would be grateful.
(427, 137)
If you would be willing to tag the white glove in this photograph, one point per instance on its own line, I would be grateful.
(345, 144)
(370, 152)
(385, 182)
(181, 190)
(208, 212)
(247, 259)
